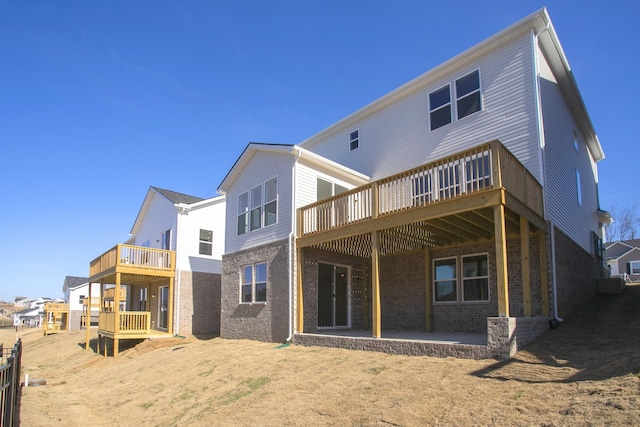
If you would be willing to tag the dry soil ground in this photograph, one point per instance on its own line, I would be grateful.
(586, 372)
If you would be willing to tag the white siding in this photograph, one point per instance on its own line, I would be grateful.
(397, 137)
(261, 167)
(74, 295)
(206, 217)
(561, 162)
(159, 215)
(306, 183)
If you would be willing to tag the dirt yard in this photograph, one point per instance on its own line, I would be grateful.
(586, 372)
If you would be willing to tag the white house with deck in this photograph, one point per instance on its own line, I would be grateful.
(461, 208)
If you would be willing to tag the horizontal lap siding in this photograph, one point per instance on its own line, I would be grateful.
(209, 217)
(262, 167)
(159, 217)
(397, 137)
(561, 162)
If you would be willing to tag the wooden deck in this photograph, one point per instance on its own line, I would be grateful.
(56, 318)
(124, 272)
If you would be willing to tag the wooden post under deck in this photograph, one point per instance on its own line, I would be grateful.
(299, 293)
(501, 260)
(427, 282)
(544, 275)
(526, 273)
(172, 301)
(116, 308)
(375, 285)
(87, 319)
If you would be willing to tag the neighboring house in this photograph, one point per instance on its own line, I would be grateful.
(623, 259)
(22, 302)
(31, 317)
(464, 201)
(76, 290)
(168, 272)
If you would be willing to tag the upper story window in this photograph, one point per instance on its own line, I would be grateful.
(326, 189)
(206, 242)
(468, 99)
(258, 207)
(440, 107)
(166, 240)
(354, 138)
(81, 299)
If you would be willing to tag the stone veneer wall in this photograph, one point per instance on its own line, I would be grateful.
(507, 335)
(75, 318)
(199, 303)
(577, 274)
(263, 322)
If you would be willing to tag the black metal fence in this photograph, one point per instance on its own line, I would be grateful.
(10, 364)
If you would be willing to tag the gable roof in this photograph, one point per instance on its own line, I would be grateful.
(295, 150)
(540, 24)
(175, 197)
(72, 282)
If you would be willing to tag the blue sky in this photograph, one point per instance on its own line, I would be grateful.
(101, 99)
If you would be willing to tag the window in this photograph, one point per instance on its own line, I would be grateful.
(440, 107)
(81, 299)
(166, 240)
(468, 99)
(326, 189)
(579, 187)
(243, 213)
(475, 278)
(256, 208)
(253, 283)
(206, 239)
(575, 141)
(256, 211)
(445, 280)
(142, 301)
(633, 267)
(353, 139)
(270, 201)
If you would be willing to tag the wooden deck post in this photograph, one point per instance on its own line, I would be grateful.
(501, 260)
(526, 273)
(116, 309)
(87, 320)
(375, 285)
(299, 290)
(172, 301)
(428, 295)
(544, 275)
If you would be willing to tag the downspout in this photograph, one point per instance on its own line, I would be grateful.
(536, 77)
(294, 226)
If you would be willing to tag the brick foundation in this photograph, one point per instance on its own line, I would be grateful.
(199, 310)
(507, 335)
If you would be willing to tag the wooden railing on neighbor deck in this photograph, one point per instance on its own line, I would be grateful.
(481, 168)
(135, 256)
(129, 322)
(56, 317)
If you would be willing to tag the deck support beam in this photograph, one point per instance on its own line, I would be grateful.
(427, 283)
(375, 285)
(501, 260)
(172, 301)
(525, 259)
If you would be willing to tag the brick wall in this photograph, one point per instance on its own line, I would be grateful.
(263, 322)
(199, 303)
(577, 273)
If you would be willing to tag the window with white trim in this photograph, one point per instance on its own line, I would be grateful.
(354, 137)
(206, 242)
(578, 187)
(440, 107)
(445, 282)
(475, 278)
(468, 96)
(253, 283)
(258, 207)
(633, 267)
(81, 299)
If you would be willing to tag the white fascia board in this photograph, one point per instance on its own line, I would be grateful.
(201, 203)
(335, 167)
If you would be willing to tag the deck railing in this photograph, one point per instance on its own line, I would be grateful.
(128, 322)
(10, 390)
(134, 256)
(56, 317)
(481, 168)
